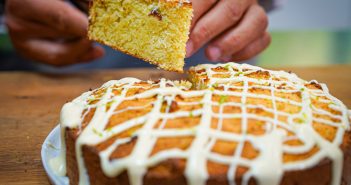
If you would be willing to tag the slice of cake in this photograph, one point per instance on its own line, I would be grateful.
(240, 125)
(153, 30)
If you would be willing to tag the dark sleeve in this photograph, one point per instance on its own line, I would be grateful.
(2, 7)
(268, 5)
(81, 4)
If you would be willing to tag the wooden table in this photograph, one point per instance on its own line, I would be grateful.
(30, 104)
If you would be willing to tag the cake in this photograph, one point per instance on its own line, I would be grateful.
(229, 124)
(153, 30)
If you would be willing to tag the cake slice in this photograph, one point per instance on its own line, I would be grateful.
(153, 30)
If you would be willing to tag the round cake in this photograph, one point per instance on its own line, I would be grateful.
(229, 124)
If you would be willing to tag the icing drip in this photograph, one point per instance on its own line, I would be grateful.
(137, 168)
(71, 117)
(271, 145)
(58, 165)
(195, 171)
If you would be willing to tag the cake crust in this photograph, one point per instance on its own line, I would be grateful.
(171, 69)
(322, 171)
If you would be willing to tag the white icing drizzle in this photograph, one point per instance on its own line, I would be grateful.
(196, 170)
(271, 145)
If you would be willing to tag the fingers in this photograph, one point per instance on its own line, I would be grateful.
(222, 16)
(50, 31)
(251, 27)
(54, 13)
(200, 7)
(251, 50)
(59, 53)
(23, 29)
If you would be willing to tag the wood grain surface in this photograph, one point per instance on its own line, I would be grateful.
(30, 104)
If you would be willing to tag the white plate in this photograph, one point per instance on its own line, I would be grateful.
(51, 149)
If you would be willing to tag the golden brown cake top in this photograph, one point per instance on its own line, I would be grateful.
(237, 119)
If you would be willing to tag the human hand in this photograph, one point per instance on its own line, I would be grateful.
(235, 30)
(50, 31)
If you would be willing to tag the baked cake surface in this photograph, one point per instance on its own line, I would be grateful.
(232, 124)
(153, 30)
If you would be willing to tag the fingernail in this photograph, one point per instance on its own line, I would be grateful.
(214, 53)
(226, 59)
(189, 48)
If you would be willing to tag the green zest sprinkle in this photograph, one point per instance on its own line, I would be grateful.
(300, 120)
(203, 86)
(222, 99)
(238, 73)
(191, 114)
(109, 103)
(97, 132)
(303, 119)
(302, 89)
(304, 115)
(332, 103)
(109, 129)
(215, 85)
(227, 67)
(90, 100)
